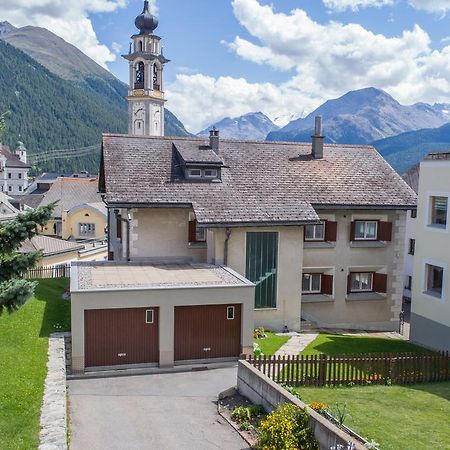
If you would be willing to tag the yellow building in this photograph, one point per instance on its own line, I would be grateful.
(79, 214)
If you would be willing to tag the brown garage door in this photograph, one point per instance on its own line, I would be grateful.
(204, 332)
(121, 336)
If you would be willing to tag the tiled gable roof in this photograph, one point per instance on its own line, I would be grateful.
(49, 245)
(71, 192)
(262, 182)
(12, 160)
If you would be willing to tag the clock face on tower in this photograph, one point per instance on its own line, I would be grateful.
(139, 111)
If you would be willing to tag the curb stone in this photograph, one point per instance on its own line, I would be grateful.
(53, 435)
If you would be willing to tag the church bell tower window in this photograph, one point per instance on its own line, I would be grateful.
(140, 76)
(156, 85)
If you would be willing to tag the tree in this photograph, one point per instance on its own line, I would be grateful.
(3, 122)
(15, 291)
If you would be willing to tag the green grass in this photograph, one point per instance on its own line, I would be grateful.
(397, 417)
(334, 344)
(271, 343)
(23, 362)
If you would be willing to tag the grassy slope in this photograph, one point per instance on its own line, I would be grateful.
(332, 344)
(397, 417)
(271, 343)
(23, 361)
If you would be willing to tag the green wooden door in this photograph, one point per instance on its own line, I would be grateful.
(261, 267)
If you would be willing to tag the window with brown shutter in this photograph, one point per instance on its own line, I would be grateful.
(327, 284)
(196, 234)
(385, 231)
(330, 231)
(352, 231)
(380, 283)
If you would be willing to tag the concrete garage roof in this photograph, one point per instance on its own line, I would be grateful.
(107, 276)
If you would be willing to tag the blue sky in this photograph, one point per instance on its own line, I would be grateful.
(281, 57)
(193, 32)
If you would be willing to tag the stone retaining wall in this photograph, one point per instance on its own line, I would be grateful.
(53, 435)
(261, 390)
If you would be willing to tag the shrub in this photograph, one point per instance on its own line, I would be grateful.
(243, 414)
(259, 333)
(319, 407)
(287, 428)
(257, 350)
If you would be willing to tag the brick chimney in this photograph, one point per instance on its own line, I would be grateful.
(317, 139)
(214, 140)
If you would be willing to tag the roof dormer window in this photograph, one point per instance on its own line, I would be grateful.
(200, 173)
(210, 173)
(195, 173)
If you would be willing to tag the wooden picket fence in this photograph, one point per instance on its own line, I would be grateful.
(39, 273)
(382, 368)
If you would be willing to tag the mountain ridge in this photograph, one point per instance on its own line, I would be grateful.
(363, 116)
(249, 126)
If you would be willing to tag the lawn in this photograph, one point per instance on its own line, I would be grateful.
(334, 344)
(397, 417)
(23, 362)
(271, 343)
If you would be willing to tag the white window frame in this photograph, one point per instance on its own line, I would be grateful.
(361, 290)
(191, 175)
(231, 309)
(213, 173)
(150, 312)
(310, 290)
(315, 238)
(425, 291)
(429, 215)
(366, 238)
(200, 234)
(90, 227)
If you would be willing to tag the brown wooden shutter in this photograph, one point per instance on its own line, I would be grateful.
(352, 231)
(327, 284)
(330, 231)
(349, 283)
(380, 282)
(385, 231)
(119, 227)
(192, 231)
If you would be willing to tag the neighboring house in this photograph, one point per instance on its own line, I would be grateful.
(8, 210)
(412, 178)
(80, 213)
(13, 170)
(430, 309)
(57, 251)
(42, 183)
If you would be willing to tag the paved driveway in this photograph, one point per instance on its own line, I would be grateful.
(159, 412)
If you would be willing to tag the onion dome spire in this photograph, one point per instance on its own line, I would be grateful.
(146, 22)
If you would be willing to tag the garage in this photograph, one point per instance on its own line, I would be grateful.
(119, 337)
(207, 332)
(139, 315)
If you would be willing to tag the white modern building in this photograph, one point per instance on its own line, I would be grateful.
(430, 313)
(13, 170)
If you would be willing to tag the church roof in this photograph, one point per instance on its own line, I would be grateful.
(12, 160)
(261, 182)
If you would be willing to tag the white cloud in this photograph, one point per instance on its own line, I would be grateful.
(434, 6)
(355, 5)
(68, 19)
(329, 60)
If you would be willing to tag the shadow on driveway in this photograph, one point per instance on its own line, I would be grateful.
(158, 412)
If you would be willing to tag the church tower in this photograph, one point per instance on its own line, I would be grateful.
(146, 94)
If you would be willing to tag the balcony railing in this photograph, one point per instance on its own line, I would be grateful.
(156, 87)
(139, 85)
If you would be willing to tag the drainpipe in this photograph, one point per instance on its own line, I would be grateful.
(128, 223)
(225, 248)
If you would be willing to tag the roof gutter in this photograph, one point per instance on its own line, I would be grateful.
(364, 207)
